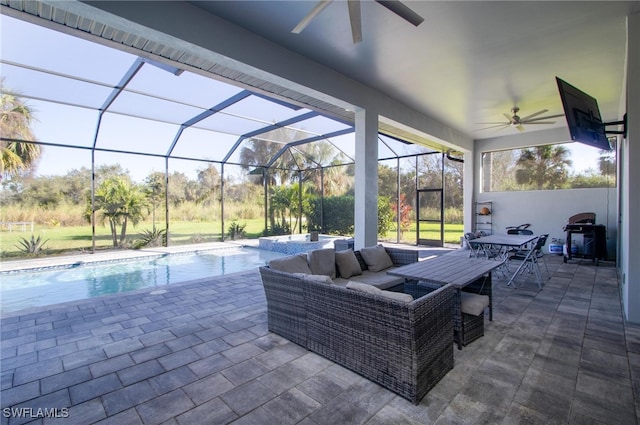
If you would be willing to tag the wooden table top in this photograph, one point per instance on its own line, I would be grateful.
(504, 240)
(445, 269)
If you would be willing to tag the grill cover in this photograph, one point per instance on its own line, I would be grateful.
(583, 218)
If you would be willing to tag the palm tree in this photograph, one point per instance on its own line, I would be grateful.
(543, 167)
(120, 203)
(154, 190)
(325, 154)
(258, 153)
(607, 163)
(15, 126)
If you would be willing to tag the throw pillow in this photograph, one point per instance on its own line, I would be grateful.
(376, 258)
(323, 261)
(370, 289)
(347, 264)
(291, 264)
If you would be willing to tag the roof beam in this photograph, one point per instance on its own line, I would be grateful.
(206, 114)
(308, 140)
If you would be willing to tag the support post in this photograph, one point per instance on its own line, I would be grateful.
(366, 186)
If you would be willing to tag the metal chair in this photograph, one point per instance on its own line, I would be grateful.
(540, 254)
(488, 251)
(519, 230)
(473, 250)
(530, 259)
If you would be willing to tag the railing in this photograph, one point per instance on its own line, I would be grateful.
(10, 225)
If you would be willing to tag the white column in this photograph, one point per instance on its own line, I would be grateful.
(469, 177)
(366, 186)
(629, 193)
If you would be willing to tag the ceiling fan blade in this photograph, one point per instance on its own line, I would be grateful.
(520, 127)
(508, 117)
(528, 117)
(356, 21)
(544, 118)
(537, 122)
(494, 122)
(307, 19)
(492, 126)
(402, 11)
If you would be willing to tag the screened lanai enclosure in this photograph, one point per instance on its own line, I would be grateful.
(193, 158)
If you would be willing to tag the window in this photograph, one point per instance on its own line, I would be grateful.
(548, 167)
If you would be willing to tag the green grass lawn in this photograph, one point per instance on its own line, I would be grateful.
(78, 238)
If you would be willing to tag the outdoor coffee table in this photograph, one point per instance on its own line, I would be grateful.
(459, 271)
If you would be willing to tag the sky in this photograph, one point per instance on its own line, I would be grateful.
(98, 68)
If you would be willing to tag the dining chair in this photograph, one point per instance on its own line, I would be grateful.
(474, 250)
(530, 259)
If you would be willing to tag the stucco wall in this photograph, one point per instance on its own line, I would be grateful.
(630, 178)
(548, 210)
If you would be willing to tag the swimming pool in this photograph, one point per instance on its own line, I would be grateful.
(23, 289)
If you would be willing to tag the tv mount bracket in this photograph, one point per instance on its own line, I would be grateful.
(623, 123)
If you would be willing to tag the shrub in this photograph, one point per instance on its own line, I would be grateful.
(151, 238)
(278, 230)
(31, 246)
(385, 215)
(338, 215)
(236, 230)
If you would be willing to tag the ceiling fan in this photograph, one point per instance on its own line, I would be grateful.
(514, 120)
(354, 15)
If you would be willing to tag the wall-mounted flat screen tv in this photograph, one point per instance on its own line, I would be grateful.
(583, 116)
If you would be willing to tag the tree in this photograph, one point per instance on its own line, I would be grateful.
(258, 153)
(208, 191)
(402, 211)
(387, 181)
(282, 201)
(15, 126)
(120, 202)
(323, 161)
(543, 167)
(178, 189)
(607, 163)
(154, 190)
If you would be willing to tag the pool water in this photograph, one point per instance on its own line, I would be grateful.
(19, 290)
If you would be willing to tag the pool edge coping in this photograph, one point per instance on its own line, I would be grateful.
(111, 256)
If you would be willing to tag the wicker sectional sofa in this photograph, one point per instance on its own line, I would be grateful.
(405, 346)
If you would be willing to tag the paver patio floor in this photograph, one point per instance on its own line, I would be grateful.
(200, 353)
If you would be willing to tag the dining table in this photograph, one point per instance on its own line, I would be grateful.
(498, 246)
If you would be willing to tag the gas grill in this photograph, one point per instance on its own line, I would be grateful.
(594, 237)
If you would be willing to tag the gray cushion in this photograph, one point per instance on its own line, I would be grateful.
(381, 280)
(473, 304)
(376, 258)
(291, 264)
(369, 289)
(347, 263)
(323, 261)
(322, 278)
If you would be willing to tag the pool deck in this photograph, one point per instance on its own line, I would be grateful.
(201, 353)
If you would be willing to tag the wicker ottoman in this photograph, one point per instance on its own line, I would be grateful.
(472, 307)
(472, 328)
(471, 324)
